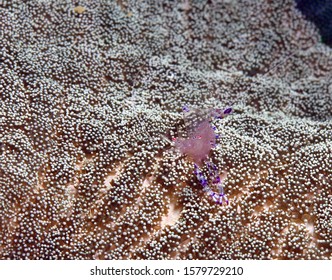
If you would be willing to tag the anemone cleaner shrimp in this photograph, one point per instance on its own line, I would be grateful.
(201, 138)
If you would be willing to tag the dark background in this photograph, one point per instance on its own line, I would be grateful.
(320, 13)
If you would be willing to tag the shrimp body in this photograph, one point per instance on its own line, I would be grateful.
(197, 146)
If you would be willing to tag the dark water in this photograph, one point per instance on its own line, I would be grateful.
(320, 13)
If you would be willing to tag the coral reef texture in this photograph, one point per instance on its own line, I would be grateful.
(92, 94)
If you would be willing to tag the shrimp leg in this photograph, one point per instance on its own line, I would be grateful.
(217, 197)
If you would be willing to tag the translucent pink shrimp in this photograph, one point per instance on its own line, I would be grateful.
(197, 146)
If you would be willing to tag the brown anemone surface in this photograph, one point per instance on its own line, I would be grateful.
(90, 93)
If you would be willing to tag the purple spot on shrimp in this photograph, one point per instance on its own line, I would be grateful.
(228, 111)
(203, 182)
(216, 180)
